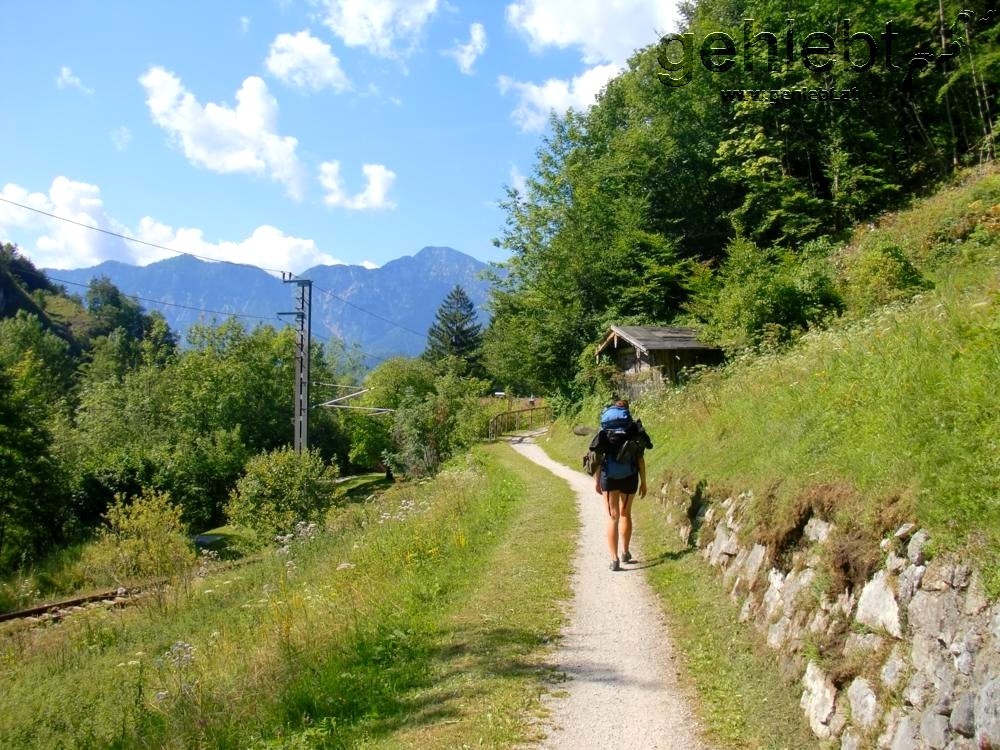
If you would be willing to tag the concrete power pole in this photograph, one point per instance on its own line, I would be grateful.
(303, 344)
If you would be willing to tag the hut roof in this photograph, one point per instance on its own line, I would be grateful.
(653, 338)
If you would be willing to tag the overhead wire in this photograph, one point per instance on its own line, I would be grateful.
(174, 304)
(369, 312)
(137, 240)
(283, 272)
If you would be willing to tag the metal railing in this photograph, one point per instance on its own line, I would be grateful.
(519, 419)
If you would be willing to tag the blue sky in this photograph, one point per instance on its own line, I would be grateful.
(288, 133)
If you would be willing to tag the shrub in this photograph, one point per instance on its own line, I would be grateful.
(279, 488)
(878, 274)
(766, 297)
(143, 538)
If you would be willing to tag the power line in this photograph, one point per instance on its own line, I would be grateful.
(174, 304)
(212, 260)
(136, 239)
(369, 312)
(323, 339)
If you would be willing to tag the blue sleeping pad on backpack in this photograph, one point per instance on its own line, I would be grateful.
(617, 426)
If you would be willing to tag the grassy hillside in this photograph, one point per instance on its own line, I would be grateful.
(388, 629)
(891, 415)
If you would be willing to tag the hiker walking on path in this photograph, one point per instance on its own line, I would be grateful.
(620, 444)
(619, 685)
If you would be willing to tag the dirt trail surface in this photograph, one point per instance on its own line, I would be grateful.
(622, 690)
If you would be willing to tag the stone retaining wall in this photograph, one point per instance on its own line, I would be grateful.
(912, 660)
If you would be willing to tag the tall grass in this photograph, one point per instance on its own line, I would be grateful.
(339, 640)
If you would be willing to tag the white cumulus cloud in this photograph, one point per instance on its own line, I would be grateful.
(374, 196)
(266, 246)
(467, 54)
(381, 26)
(306, 62)
(604, 32)
(537, 100)
(61, 244)
(225, 139)
(53, 243)
(67, 79)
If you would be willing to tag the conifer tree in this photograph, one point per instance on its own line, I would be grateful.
(455, 332)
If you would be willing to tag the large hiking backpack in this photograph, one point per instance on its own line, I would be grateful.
(617, 426)
(619, 444)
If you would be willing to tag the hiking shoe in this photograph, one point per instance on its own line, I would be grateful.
(615, 566)
(627, 557)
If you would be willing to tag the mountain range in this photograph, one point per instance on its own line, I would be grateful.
(385, 311)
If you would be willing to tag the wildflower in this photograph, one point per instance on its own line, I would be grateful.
(180, 654)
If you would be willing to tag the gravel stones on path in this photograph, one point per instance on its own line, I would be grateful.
(621, 689)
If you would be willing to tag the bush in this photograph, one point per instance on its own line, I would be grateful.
(279, 488)
(766, 297)
(879, 274)
(143, 538)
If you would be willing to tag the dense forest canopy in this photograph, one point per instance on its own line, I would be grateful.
(667, 203)
(101, 405)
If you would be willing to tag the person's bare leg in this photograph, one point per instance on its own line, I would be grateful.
(625, 522)
(612, 501)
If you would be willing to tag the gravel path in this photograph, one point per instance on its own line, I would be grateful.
(622, 690)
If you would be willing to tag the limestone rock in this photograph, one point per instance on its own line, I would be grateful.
(850, 741)
(915, 549)
(987, 714)
(753, 562)
(877, 607)
(961, 743)
(723, 546)
(905, 737)
(938, 576)
(909, 582)
(962, 719)
(934, 730)
(892, 719)
(892, 670)
(817, 530)
(905, 531)
(894, 563)
(934, 614)
(772, 597)
(817, 700)
(975, 597)
(916, 691)
(777, 633)
(864, 705)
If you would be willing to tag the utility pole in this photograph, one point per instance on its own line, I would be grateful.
(303, 344)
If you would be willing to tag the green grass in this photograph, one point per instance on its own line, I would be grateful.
(878, 420)
(742, 698)
(419, 644)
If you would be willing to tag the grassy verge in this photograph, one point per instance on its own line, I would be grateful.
(743, 700)
(392, 629)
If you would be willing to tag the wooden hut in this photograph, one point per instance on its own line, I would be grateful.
(656, 352)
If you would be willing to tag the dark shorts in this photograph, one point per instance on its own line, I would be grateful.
(629, 485)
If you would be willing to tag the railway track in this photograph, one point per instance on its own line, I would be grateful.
(118, 597)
